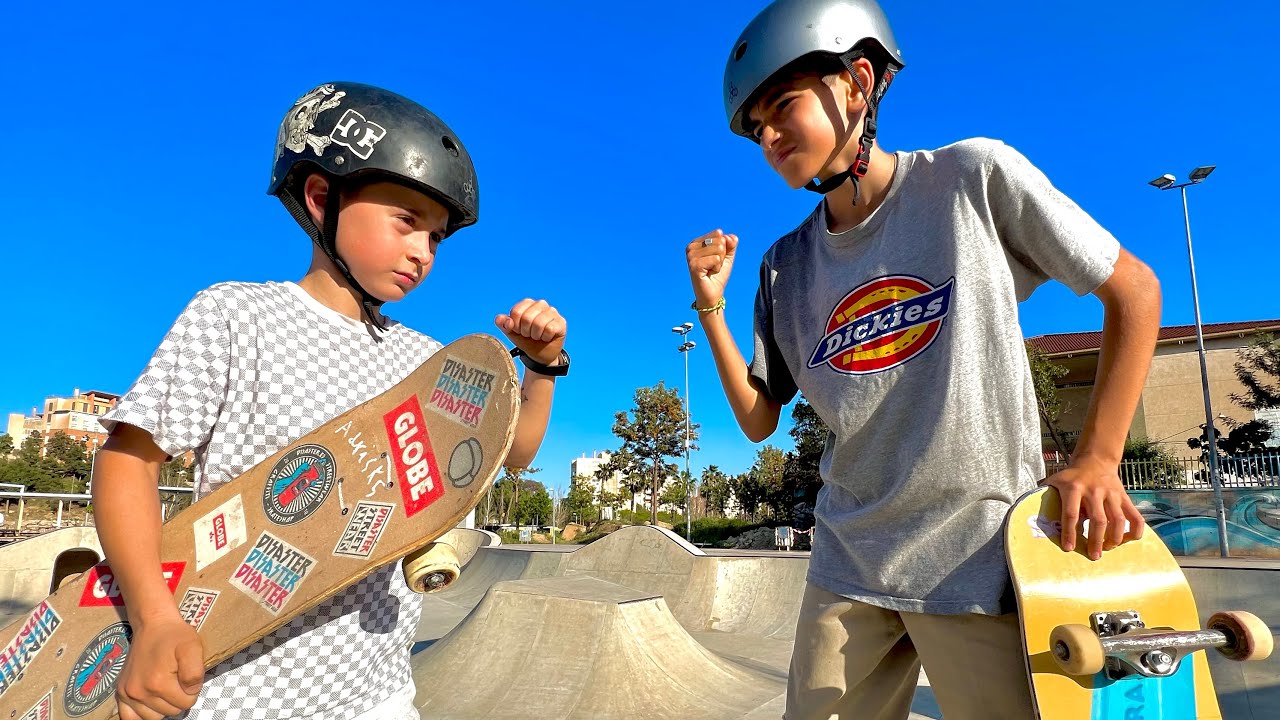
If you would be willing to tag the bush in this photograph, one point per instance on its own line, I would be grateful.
(715, 530)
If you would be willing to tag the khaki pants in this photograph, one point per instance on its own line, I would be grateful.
(854, 661)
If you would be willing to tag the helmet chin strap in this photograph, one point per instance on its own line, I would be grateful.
(858, 170)
(328, 241)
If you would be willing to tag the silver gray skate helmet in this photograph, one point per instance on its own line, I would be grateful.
(788, 30)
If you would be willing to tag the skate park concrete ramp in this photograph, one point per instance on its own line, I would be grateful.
(709, 634)
(641, 662)
(31, 569)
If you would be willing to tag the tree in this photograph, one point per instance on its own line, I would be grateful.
(1258, 369)
(613, 501)
(32, 447)
(66, 456)
(177, 473)
(677, 492)
(746, 488)
(1044, 376)
(1239, 451)
(654, 432)
(580, 500)
(534, 506)
(768, 471)
(503, 504)
(801, 478)
(6, 445)
(715, 490)
(1147, 465)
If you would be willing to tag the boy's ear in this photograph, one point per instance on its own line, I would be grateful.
(315, 190)
(866, 75)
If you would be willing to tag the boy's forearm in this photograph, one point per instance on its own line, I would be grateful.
(756, 414)
(1130, 327)
(536, 393)
(127, 514)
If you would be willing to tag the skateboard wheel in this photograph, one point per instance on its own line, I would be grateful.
(431, 569)
(1077, 649)
(1249, 638)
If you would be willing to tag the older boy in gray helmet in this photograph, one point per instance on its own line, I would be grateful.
(893, 309)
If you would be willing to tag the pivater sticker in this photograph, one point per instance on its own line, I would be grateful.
(298, 484)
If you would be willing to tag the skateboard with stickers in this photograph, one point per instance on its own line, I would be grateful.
(374, 485)
(1119, 637)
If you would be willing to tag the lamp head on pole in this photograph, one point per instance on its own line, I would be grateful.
(1163, 181)
(687, 346)
(1201, 173)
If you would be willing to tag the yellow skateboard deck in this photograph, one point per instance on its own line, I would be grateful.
(1056, 588)
(377, 483)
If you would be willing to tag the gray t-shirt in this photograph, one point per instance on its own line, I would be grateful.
(903, 334)
(245, 370)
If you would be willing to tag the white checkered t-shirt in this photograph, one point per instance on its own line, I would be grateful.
(244, 371)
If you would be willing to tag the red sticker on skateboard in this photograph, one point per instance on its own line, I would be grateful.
(102, 588)
(414, 458)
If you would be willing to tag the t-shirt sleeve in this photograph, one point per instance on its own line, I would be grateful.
(768, 368)
(1045, 235)
(179, 394)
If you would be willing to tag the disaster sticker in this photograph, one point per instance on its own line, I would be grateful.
(271, 572)
(364, 529)
(33, 635)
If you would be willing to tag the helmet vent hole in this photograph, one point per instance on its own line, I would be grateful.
(742, 50)
(449, 145)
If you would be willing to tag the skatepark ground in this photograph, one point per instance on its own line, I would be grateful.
(642, 624)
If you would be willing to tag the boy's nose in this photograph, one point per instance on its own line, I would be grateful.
(768, 136)
(418, 248)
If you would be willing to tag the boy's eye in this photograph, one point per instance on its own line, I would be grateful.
(406, 219)
(437, 238)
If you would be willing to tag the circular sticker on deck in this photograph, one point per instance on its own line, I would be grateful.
(298, 484)
(464, 463)
(93, 677)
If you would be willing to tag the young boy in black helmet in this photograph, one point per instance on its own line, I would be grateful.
(893, 309)
(378, 182)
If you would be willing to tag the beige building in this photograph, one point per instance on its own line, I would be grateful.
(589, 465)
(77, 416)
(1171, 408)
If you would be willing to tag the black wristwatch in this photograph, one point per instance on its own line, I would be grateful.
(559, 370)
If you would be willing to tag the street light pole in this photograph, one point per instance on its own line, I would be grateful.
(684, 349)
(1168, 182)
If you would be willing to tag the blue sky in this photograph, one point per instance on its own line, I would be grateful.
(139, 145)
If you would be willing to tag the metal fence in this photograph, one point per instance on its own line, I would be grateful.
(1234, 471)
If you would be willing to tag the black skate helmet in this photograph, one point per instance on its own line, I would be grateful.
(353, 133)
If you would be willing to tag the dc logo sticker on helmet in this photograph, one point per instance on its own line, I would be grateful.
(295, 131)
(355, 132)
(882, 324)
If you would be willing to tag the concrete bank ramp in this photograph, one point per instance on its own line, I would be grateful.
(31, 569)
(580, 647)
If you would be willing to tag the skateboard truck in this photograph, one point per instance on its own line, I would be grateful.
(1120, 644)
